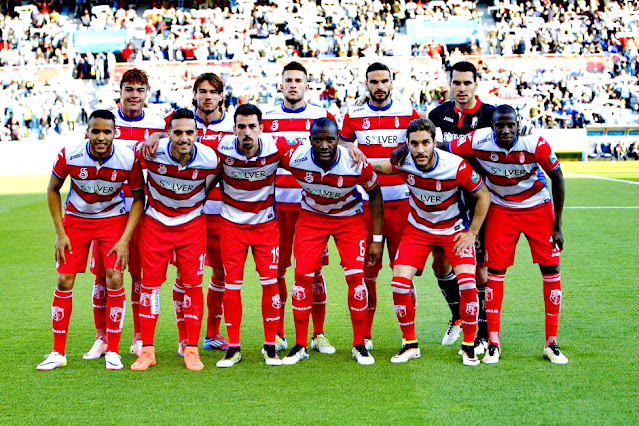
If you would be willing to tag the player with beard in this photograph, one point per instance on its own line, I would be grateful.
(379, 127)
(435, 179)
(521, 203)
(292, 119)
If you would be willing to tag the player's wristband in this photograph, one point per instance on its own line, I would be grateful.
(378, 238)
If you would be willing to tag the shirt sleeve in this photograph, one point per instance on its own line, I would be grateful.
(462, 146)
(60, 168)
(468, 178)
(415, 114)
(369, 178)
(136, 178)
(330, 116)
(284, 145)
(545, 157)
(139, 158)
(348, 130)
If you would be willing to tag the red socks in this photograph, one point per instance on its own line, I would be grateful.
(552, 302)
(116, 308)
(271, 308)
(302, 300)
(149, 311)
(214, 298)
(99, 306)
(281, 285)
(318, 311)
(358, 304)
(60, 314)
(135, 307)
(193, 308)
(178, 307)
(468, 306)
(233, 311)
(371, 287)
(404, 306)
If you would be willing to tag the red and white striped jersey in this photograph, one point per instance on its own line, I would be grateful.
(248, 185)
(176, 194)
(291, 124)
(378, 132)
(96, 189)
(210, 136)
(435, 193)
(131, 131)
(513, 177)
(332, 192)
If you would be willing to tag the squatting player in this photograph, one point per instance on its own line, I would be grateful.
(521, 203)
(331, 206)
(435, 179)
(94, 211)
(379, 127)
(180, 175)
(292, 119)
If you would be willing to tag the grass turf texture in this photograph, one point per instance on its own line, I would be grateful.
(599, 318)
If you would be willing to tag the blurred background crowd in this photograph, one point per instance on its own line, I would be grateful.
(563, 64)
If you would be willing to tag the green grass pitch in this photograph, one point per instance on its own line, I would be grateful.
(599, 319)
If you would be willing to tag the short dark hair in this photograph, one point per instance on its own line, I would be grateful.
(295, 66)
(322, 123)
(182, 113)
(420, 124)
(135, 76)
(503, 110)
(246, 110)
(104, 114)
(213, 79)
(464, 66)
(377, 66)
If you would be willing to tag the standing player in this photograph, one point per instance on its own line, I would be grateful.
(379, 127)
(292, 119)
(249, 161)
(456, 118)
(133, 124)
(521, 204)
(435, 179)
(331, 206)
(94, 211)
(179, 178)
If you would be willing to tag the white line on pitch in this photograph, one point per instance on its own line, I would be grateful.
(600, 207)
(601, 178)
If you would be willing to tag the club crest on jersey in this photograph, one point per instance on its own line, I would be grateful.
(84, 173)
(98, 291)
(116, 313)
(522, 158)
(118, 133)
(438, 186)
(411, 180)
(275, 125)
(263, 162)
(366, 124)
(229, 161)
(298, 292)
(360, 292)
(276, 302)
(308, 125)
(400, 310)
(114, 175)
(57, 313)
(473, 123)
(340, 181)
(396, 122)
(472, 308)
(494, 156)
(146, 134)
(195, 172)
(309, 177)
(555, 297)
(162, 169)
(317, 288)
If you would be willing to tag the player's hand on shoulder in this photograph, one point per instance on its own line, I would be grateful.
(149, 146)
(357, 155)
(361, 100)
(399, 155)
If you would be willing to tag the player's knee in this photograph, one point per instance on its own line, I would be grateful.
(114, 279)
(481, 275)
(441, 266)
(549, 269)
(66, 281)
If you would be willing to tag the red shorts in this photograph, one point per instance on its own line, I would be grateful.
(158, 242)
(235, 241)
(395, 220)
(287, 215)
(416, 245)
(135, 265)
(103, 232)
(312, 233)
(504, 226)
(213, 250)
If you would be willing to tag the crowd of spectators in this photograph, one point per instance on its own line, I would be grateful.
(257, 34)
